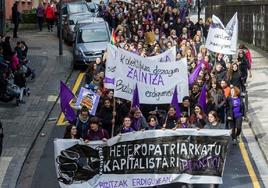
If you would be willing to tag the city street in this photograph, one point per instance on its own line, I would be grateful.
(28, 157)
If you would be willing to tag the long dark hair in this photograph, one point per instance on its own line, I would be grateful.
(67, 133)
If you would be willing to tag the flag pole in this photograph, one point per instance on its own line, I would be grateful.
(113, 120)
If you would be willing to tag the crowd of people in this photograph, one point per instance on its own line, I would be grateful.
(225, 76)
(14, 71)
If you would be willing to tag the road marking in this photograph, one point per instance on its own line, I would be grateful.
(61, 120)
(249, 166)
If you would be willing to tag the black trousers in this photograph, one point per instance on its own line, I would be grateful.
(15, 30)
(50, 23)
(40, 21)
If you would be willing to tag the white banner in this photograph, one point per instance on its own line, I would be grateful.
(112, 60)
(220, 39)
(155, 80)
(143, 159)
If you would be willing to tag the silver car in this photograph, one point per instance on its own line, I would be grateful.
(90, 42)
(69, 24)
(75, 7)
(83, 22)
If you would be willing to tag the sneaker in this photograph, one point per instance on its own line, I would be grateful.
(237, 140)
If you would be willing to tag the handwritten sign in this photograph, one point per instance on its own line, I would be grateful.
(220, 39)
(155, 80)
(112, 60)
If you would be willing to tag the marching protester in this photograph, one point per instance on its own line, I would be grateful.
(82, 122)
(71, 132)
(152, 123)
(198, 118)
(183, 121)
(137, 119)
(106, 115)
(171, 118)
(126, 127)
(95, 132)
(213, 121)
(235, 113)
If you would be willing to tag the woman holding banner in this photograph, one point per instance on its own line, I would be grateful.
(71, 132)
(183, 121)
(171, 118)
(198, 118)
(95, 132)
(138, 120)
(126, 127)
(213, 121)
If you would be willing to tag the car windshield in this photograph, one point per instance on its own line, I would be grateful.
(93, 35)
(91, 6)
(74, 19)
(74, 8)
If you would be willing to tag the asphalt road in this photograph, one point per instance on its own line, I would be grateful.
(235, 174)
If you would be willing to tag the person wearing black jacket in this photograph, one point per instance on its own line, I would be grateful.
(7, 50)
(15, 19)
(106, 116)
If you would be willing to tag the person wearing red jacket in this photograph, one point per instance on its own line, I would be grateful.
(50, 15)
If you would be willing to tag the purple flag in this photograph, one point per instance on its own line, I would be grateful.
(66, 95)
(202, 98)
(175, 102)
(195, 73)
(135, 99)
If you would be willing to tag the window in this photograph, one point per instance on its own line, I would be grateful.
(74, 8)
(93, 35)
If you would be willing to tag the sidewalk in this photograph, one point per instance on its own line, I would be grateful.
(22, 124)
(258, 98)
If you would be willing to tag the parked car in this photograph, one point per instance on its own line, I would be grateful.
(69, 24)
(90, 42)
(93, 7)
(74, 7)
(82, 22)
(105, 2)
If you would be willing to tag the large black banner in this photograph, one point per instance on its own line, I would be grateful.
(144, 159)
